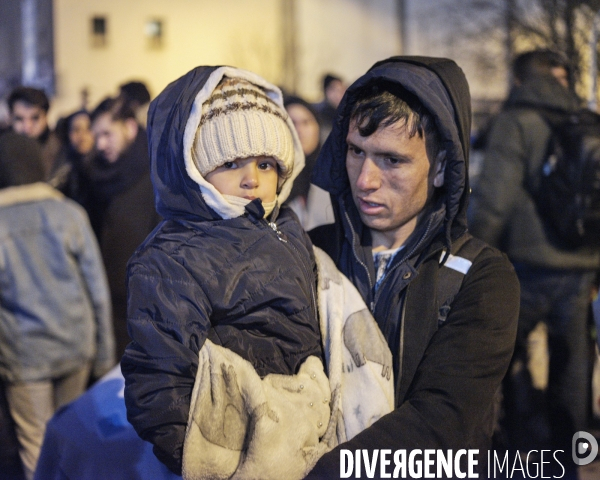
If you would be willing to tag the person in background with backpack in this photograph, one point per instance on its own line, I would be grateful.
(395, 166)
(556, 275)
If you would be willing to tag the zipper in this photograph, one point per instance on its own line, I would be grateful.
(372, 306)
(280, 235)
(308, 277)
(401, 353)
(376, 297)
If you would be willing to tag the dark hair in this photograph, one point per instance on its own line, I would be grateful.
(135, 92)
(116, 107)
(30, 96)
(295, 100)
(539, 62)
(63, 126)
(379, 104)
(20, 160)
(328, 79)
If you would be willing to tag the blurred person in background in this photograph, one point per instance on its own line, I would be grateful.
(137, 95)
(305, 121)
(28, 108)
(333, 91)
(55, 313)
(556, 280)
(121, 198)
(78, 144)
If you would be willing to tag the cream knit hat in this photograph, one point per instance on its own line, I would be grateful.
(239, 121)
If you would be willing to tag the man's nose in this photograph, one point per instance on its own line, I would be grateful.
(28, 128)
(100, 144)
(369, 177)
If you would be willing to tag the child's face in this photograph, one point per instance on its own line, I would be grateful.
(250, 178)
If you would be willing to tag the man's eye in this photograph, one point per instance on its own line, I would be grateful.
(393, 161)
(355, 150)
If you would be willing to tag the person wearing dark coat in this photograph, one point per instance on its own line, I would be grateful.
(306, 124)
(121, 199)
(556, 278)
(28, 108)
(208, 273)
(228, 283)
(70, 173)
(395, 166)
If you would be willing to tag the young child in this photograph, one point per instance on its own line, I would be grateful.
(55, 311)
(223, 295)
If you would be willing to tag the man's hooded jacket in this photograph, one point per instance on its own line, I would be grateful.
(446, 372)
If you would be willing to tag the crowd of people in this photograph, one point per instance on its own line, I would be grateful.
(196, 240)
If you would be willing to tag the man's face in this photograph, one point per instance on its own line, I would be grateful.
(113, 136)
(561, 74)
(392, 181)
(29, 120)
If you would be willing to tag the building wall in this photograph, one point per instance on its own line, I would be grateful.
(344, 37)
(340, 36)
(196, 32)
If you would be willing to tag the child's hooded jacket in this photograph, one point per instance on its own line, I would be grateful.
(207, 272)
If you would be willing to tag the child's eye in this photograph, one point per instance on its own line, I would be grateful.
(266, 166)
(229, 165)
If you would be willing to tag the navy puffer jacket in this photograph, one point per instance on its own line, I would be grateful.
(205, 273)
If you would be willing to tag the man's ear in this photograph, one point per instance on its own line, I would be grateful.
(131, 128)
(440, 168)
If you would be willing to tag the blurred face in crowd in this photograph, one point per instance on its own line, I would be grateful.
(81, 137)
(306, 126)
(29, 120)
(561, 74)
(392, 180)
(334, 93)
(113, 137)
(249, 178)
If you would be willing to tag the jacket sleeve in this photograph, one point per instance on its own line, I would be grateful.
(92, 271)
(168, 321)
(451, 395)
(502, 176)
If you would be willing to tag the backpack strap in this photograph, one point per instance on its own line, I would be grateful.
(453, 272)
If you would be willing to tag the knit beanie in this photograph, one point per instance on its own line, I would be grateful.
(239, 120)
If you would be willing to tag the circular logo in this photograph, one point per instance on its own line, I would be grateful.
(585, 448)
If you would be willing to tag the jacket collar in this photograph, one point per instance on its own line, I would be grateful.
(32, 192)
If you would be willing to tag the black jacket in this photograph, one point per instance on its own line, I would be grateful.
(202, 275)
(446, 376)
(502, 211)
(122, 213)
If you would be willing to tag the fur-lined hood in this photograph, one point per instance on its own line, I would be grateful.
(173, 118)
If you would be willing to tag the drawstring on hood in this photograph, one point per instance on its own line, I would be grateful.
(174, 117)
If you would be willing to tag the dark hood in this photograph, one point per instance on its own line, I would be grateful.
(179, 188)
(442, 88)
(543, 91)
